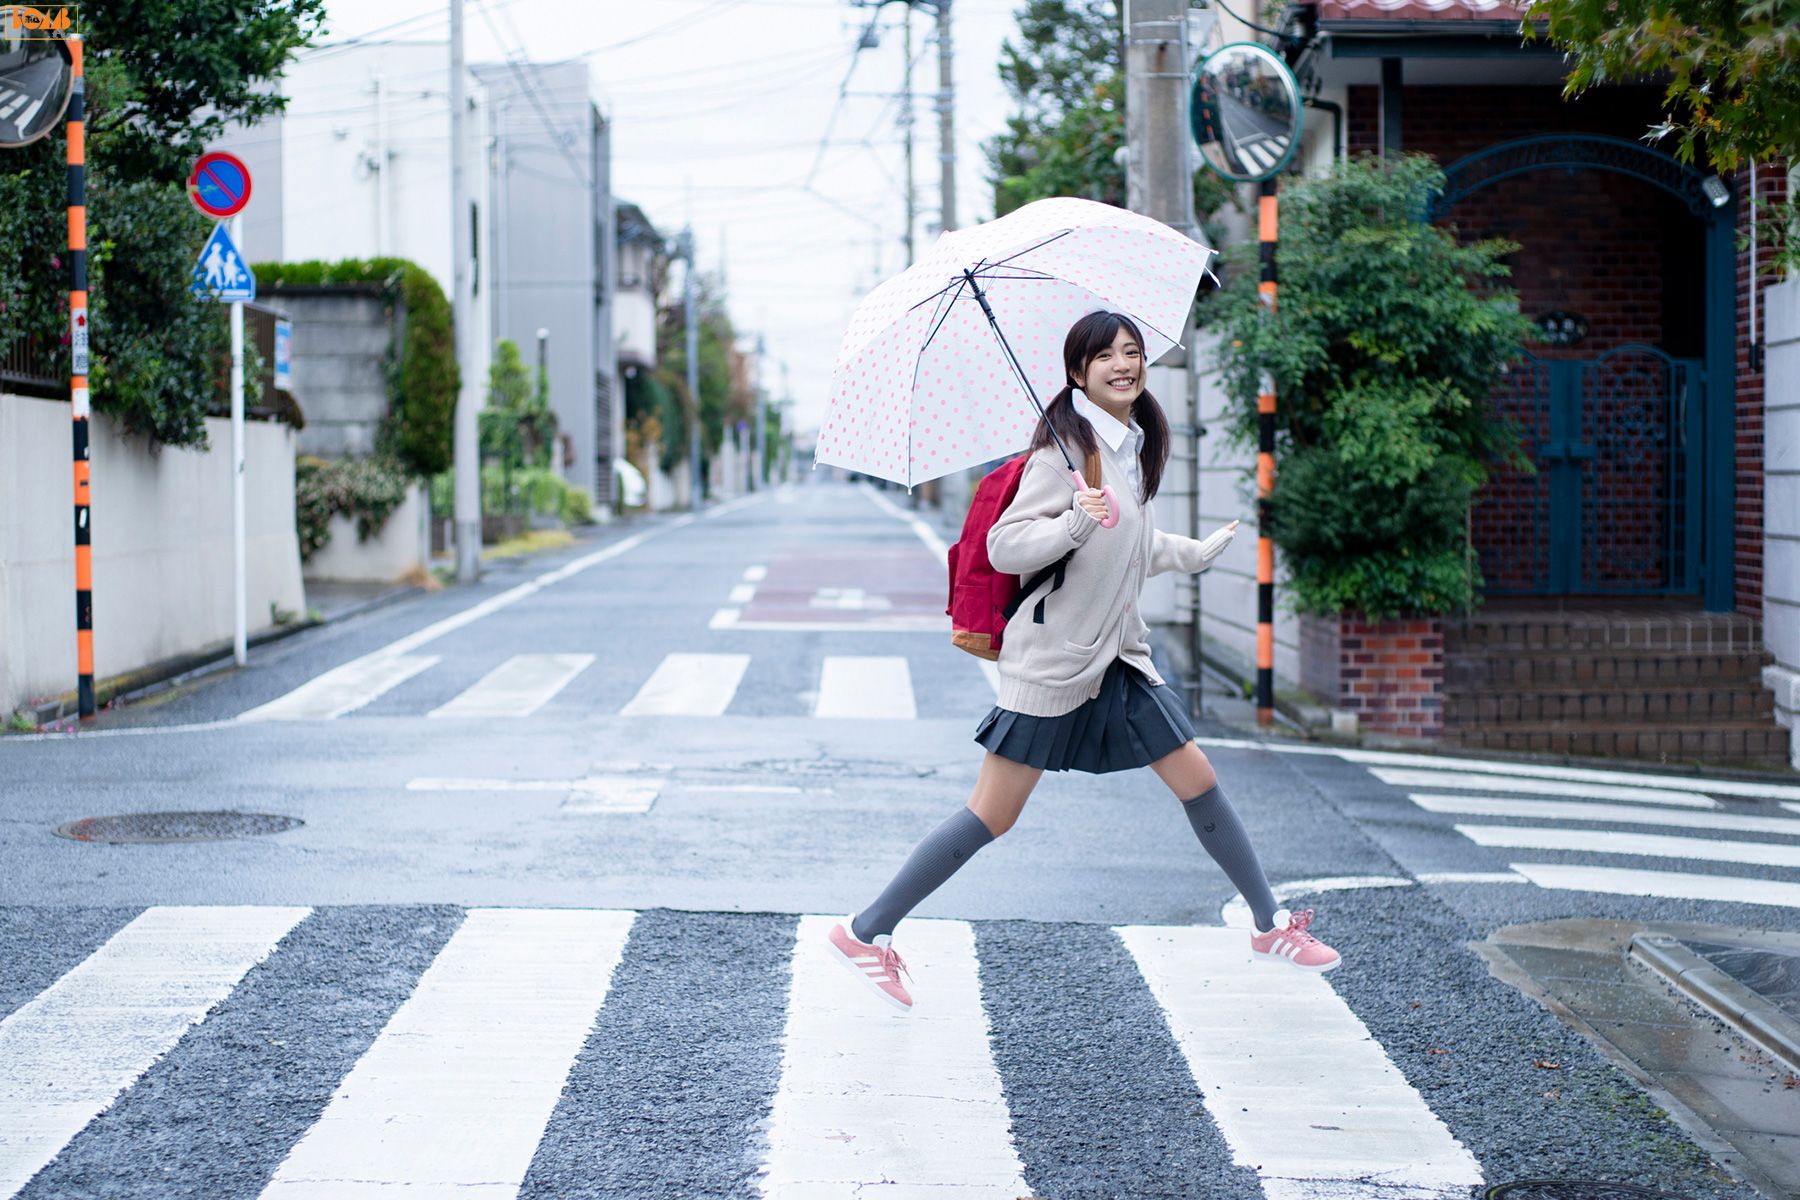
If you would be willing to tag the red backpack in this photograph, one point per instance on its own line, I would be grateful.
(982, 599)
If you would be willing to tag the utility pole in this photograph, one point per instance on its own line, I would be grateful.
(240, 648)
(689, 302)
(946, 117)
(906, 123)
(467, 430)
(759, 475)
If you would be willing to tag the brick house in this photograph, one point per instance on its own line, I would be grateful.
(1624, 594)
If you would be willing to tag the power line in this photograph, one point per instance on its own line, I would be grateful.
(843, 90)
(531, 93)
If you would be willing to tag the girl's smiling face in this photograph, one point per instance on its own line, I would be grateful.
(1115, 375)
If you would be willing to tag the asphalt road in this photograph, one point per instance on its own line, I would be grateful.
(570, 836)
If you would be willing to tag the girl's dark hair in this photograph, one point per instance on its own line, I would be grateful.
(1087, 338)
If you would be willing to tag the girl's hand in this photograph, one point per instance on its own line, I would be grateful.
(1216, 542)
(1092, 502)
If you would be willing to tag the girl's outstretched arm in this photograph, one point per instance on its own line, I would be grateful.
(1173, 552)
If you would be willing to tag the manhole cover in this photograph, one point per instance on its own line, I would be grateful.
(176, 827)
(1573, 1189)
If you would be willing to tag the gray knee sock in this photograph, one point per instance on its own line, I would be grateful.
(1223, 836)
(932, 861)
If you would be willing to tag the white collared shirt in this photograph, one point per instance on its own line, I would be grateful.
(1114, 434)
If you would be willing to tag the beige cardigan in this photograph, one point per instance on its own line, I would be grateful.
(1050, 669)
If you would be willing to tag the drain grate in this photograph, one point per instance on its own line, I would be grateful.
(176, 827)
(1573, 1189)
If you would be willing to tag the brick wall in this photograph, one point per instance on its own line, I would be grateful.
(1389, 673)
(1771, 186)
(1629, 259)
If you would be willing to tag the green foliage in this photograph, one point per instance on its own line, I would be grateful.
(1387, 339)
(533, 489)
(577, 507)
(1065, 75)
(1732, 69)
(517, 427)
(423, 376)
(721, 401)
(163, 79)
(368, 489)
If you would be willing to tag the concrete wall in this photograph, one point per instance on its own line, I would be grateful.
(341, 339)
(162, 545)
(1781, 504)
(400, 549)
(1228, 588)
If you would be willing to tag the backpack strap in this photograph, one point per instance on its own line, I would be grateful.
(1031, 585)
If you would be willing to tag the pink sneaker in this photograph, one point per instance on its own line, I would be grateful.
(876, 965)
(1289, 942)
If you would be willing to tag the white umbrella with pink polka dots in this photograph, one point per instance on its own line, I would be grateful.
(942, 365)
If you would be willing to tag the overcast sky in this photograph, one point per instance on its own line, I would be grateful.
(719, 111)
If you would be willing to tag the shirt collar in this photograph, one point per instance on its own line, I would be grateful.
(1104, 423)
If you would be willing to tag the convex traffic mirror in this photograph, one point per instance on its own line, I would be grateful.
(1245, 112)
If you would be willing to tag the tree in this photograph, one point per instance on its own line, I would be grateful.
(1066, 77)
(162, 77)
(1388, 338)
(1733, 68)
(719, 402)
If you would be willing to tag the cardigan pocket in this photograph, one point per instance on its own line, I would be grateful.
(1081, 643)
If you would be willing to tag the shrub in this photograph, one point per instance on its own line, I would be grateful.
(577, 507)
(1386, 341)
(423, 377)
(368, 489)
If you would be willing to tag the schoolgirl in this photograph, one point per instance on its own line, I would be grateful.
(1078, 691)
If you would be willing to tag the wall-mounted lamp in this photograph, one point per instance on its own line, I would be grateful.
(1715, 190)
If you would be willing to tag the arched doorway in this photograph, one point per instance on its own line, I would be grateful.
(1633, 442)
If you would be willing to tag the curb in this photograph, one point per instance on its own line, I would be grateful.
(172, 672)
(1720, 994)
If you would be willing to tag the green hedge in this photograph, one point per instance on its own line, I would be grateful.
(423, 376)
(1388, 338)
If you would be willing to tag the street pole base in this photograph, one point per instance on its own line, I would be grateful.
(468, 551)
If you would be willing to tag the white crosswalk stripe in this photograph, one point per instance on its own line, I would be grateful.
(342, 689)
(66, 1055)
(455, 1093)
(517, 687)
(689, 685)
(865, 686)
(459, 1089)
(931, 1116)
(1295, 1082)
(1567, 804)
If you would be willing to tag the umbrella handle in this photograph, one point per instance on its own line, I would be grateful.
(1112, 502)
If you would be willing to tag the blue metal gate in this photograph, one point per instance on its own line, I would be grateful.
(1615, 505)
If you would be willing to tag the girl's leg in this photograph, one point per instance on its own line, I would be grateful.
(1000, 793)
(1190, 776)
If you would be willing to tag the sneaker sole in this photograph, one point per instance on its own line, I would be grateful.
(838, 956)
(1265, 956)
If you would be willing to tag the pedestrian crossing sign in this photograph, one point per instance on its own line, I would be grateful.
(220, 273)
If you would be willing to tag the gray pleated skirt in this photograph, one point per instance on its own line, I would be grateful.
(1131, 723)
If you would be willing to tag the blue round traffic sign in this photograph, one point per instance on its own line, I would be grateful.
(220, 184)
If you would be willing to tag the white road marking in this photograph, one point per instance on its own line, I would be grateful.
(991, 673)
(731, 506)
(1575, 810)
(12, 106)
(689, 685)
(24, 119)
(342, 689)
(743, 593)
(897, 1103)
(1791, 806)
(1236, 913)
(725, 618)
(1651, 845)
(728, 618)
(590, 794)
(1672, 885)
(77, 1045)
(937, 545)
(866, 686)
(1758, 790)
(400, 647)
(1403, 777)
(1471, 877)
(1301, 1090)
(517, 687)
(755, 574)
(455, 1093)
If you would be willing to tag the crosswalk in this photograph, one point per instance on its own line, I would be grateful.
(19, 109)
(467, 1083)
(851, 686)
(1589, 823)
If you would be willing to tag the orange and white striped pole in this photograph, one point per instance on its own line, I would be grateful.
(78, 382)
(1265, 473)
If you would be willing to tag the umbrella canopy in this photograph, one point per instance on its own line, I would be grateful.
(923, 386)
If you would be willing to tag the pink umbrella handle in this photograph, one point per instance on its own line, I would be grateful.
(1112, 501)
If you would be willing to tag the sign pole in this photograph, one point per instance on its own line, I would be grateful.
(239, 607)
(1267, 211)
(78, 384)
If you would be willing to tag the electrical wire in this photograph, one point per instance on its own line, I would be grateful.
(531, 93)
